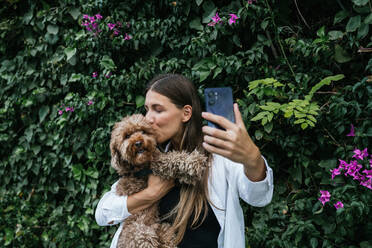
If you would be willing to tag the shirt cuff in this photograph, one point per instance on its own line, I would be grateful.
(256, 193)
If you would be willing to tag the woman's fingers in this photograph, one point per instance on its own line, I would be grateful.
(220, 120)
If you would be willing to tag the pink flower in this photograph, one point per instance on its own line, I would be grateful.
(85, 16)
(335, 172)
(352, 131)
(339, 205)
(367, 183)
(108, 74)
(215, 20)
(90, 102)
(324, 197)
(95, 74)
(111, 25)
(233, 18)
(98, 16)
(368, 173)
(127, 37)
(360, 154)
(60, 112)
(251, 1)
(69, 109)
(116, 32)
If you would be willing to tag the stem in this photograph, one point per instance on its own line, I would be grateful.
(303, 19)
(279, 41)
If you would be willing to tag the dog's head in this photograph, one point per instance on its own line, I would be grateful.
(132, 144)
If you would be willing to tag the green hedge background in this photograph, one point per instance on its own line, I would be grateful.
(300, 71)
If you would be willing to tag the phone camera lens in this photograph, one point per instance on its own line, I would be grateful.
(210, 94)
(211, 101)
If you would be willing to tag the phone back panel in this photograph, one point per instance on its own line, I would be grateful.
(219, 101)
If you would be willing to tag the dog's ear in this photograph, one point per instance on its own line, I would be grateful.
(120, 165)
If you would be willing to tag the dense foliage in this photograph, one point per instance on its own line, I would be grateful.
(70, 69)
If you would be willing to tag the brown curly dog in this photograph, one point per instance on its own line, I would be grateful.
(134, 156)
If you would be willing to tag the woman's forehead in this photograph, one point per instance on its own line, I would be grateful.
(154, 98)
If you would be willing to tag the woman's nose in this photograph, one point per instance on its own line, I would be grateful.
(149, 118)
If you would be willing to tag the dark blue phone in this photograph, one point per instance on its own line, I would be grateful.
(219, 101)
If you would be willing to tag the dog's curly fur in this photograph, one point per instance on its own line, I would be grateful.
(133, 150)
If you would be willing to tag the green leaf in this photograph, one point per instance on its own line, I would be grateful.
(360, 2)
(69, 51)
(314, 242)
(75, 13)
(340, 16)
(363, 31)
(203, 75)
(9, 235)
(368, 19)
(140, 101)
(341, 56)
(304, 125)
(92, 172)
(195, 24)
(52, 29)
(43, 111)
(258, 134)
(77, 171)
(335, 35)
(107, 63)
(321, 32)
(264, 24)
(353, 23)
(198, 2)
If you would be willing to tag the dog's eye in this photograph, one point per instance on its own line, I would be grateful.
(127, 136)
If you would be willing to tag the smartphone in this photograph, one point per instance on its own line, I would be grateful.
(219, 101)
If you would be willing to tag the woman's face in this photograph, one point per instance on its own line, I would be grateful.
(165, 118)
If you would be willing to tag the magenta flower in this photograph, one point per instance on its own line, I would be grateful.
(108, 75)
(339, 205)
(90, 102)
(127, 37)
(251, 1)
(367, 183)
(335, 172)
(368, 173)
(116, 32)
(352, 131)
(98, 16)
(215, 20)
(69, 109)
(324, 197)
(233, 18)
(60, 112)
(85, 16)
(95, 74)
(360, 154)
(111, 25)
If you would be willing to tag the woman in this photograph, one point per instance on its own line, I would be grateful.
(208, 214)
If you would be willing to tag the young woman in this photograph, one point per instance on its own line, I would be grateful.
(208, 214)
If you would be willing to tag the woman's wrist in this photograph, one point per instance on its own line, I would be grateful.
(254, 167)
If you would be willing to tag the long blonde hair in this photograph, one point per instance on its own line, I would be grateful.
(193, 199)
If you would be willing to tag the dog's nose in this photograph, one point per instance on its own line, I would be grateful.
(138, 144)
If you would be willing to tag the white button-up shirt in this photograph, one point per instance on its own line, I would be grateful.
(227, 182)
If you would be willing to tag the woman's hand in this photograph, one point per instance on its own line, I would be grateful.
(158, 187)
(234, 143)
(155, 190)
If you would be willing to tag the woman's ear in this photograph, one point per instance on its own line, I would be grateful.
(187, 113)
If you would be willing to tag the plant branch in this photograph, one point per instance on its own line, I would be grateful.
(303, 19)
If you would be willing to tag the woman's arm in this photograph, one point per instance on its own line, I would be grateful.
(155, 190)
(113, 209)
(234, 143)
